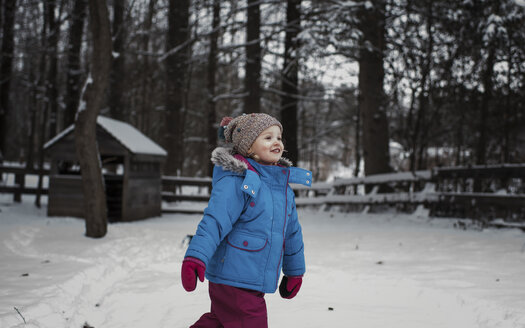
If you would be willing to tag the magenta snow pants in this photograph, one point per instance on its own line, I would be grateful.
(233, 307)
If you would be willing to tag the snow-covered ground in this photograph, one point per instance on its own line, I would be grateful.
(363, 270)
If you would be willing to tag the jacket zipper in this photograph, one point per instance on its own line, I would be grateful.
(284, 226)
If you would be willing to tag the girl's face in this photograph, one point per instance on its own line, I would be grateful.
(268, 147)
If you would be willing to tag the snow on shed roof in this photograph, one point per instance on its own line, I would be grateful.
(131, 138)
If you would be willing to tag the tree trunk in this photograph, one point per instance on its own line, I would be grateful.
(31, 133)
(371, 74)
(42, 115)
(481, 148)
(95, 207)
(117, 77)
(421, 128)
(76, 31)
(357, 149)
(52, 74)
(290, 79)
(505, 156)
(146, 84)
(177, 39)
(252, 102)
(6, 64)
(212, 70)
(1, 12)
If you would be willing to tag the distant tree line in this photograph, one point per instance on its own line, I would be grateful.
(443, 79)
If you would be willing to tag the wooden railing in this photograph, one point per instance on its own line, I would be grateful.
(483, 193)
(491, 195)
(175, 189)
(19, 186)
(375, 189)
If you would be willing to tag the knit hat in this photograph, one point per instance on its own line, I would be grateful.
(244, 129)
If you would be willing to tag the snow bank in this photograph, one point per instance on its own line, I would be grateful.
(362, 271)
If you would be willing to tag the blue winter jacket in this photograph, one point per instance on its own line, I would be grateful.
(250, 229)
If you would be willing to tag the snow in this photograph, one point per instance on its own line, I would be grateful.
(385, 178)
(126, 134)
(130, 137)
(373, 270)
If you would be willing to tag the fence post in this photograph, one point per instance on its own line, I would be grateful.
(20, 182)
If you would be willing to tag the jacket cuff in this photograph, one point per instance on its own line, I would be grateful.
(197, 255)
(194, 260)
(294, 273)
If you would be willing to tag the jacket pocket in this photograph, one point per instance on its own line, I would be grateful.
(245, 257)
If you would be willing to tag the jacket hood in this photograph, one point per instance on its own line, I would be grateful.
(230, 161)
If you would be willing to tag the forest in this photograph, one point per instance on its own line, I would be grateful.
(366, 86)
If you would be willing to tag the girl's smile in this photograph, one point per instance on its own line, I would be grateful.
(268, 147)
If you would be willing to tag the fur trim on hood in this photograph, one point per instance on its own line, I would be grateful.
(224, 157)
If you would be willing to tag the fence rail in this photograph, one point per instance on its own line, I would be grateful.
(19, 186)
(445, 192)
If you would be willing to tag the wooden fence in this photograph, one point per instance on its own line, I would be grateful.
(184, 190)
(19, 186)
(491, 195)
(483, 193)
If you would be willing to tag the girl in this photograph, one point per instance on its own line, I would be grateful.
(250, 231)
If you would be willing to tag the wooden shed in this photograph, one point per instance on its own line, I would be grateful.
(131, 166)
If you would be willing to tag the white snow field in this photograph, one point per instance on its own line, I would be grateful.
(363, 270)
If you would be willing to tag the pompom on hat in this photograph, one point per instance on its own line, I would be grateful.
(242, 130)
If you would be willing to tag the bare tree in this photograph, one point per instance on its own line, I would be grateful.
(252, 102)
(76, 31)
(95, 207)
(212, 70)
(117, 76)
(42, 115)
(6, 67)
(51, 10)
(176, 61)
(146, 80)
(371, 93)
(420, 127)
(289, 79)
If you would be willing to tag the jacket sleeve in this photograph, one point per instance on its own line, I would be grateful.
(224, 209)
(293, 262)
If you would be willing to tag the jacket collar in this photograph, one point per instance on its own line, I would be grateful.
(230, 161)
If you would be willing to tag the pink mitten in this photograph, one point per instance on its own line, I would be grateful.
(191, 269)
(290, 286)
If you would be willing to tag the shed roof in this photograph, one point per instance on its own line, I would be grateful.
(131, 138)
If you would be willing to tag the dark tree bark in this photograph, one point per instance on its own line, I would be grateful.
(30, 159)
(42, 106)
(252, 102)
(117, 77)
(146, 82)
(419, 139)
(176, 62)
(6, 68)
(1, 12)
(76, 31)
(505, 156)
(52, 73)
(212, 70)
(371, 93)
(481, 148)
(95, 208)
(290, 80)
(357, 150)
